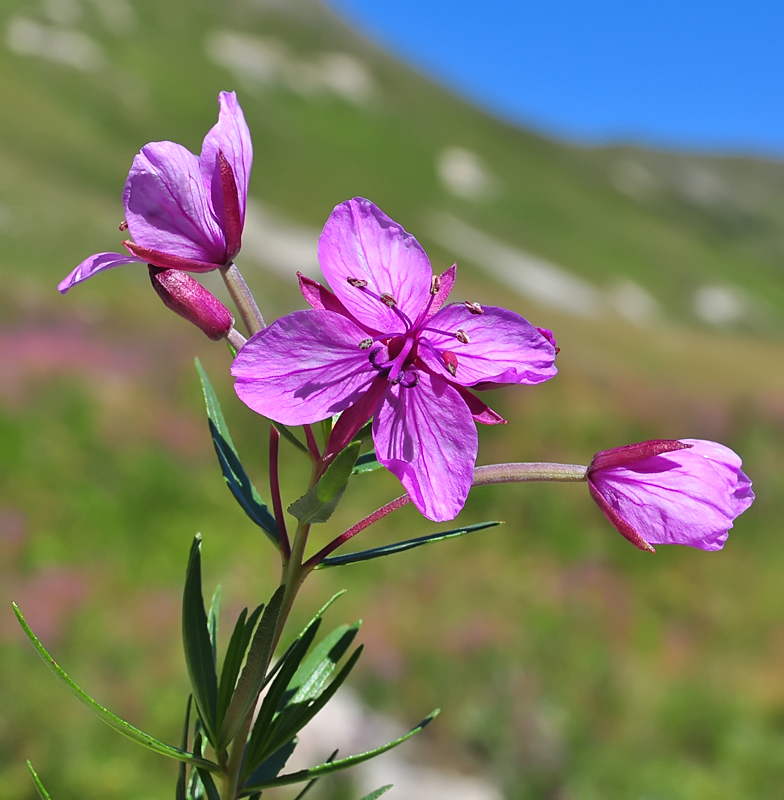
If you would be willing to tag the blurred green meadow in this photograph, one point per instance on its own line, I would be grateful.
(568, 665)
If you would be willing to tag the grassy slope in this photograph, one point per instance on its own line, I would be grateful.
(577, 667)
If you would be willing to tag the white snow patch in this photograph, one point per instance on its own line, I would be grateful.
(532, 277)
(279, 244)
(75, 49)
(464, 173)
(633, 302)
(347, 724)
(259, 60)
(719, 305)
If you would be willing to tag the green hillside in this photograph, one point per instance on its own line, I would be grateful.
(568, 664)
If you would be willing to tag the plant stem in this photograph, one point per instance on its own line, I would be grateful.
(243, 299)
(529, 472)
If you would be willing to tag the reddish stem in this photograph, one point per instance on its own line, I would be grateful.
(277, 506)
(312, 445)
(399, 502)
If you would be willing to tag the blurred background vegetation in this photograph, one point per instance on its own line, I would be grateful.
(568, 664)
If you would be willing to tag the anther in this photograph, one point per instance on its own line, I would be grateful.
(388, 300)
(366, 344)
(450, 360)
(461, 336)
(124, 225)
(357, 283)
(474, 308)
(435, 285)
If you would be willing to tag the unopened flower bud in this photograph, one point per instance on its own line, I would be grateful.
(188, 298)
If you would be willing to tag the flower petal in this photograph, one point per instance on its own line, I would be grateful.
(93, 265)
(689, 496)
(230, 135)
(303, 368)
(359, 241)
(498, 346)
(426, 436)
(167, 207)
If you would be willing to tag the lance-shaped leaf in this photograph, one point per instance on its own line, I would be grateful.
(270, 768)
(367, 462)
(401, 547)
(321, 500)
(182, 778)
(252, 677)
(300, 692)
(199, 654)
(375, 795)
(37, 781)
(312, 783)
(232, 661)
(233, 472)
(331, 767)
(125, 728)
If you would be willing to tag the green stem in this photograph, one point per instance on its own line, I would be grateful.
(243, 299)
(529, 472)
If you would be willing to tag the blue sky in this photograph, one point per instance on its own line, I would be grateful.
(689, 74)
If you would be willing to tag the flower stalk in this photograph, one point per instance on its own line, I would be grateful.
(243, 299)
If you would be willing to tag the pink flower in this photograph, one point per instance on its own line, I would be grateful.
(671, 492)
(184, 212)
(380, 347)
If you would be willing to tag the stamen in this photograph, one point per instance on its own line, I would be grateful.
(366, 344)
(450, 360)
(124, 225)
(409, 379)
(474, 308)
(388, 300)
(462, 336)
(373, 358)
(357, 283)
(435, 285)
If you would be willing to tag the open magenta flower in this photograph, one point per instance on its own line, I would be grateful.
(671, 492)
(379, 346)
(184, 212)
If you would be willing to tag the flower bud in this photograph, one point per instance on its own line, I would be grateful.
(188, 298)
(671, 492)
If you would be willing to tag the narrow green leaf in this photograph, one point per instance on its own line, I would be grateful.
(199, 655)
(212, 621)
(401, 547)
(296, 716)
(316, 669)
(321, 500)
(367, 462)
(252, 677)
(233, 472)
(210, 789)
(270, 768)
(182, 778)
(232, 661)
(312, 783)
(258, 749)
(328, 768)
(320, 613)
(288, 435)
(104, 714)
(37, 781)
(375, 795)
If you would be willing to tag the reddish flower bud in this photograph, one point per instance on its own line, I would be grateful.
(188, 298)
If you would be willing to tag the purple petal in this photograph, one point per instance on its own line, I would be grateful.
(497, 346)
(93, 265)
(303, 368)
(480, 411)
(359, 241)
(426, 436)
(231, 136)
(167, 207)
